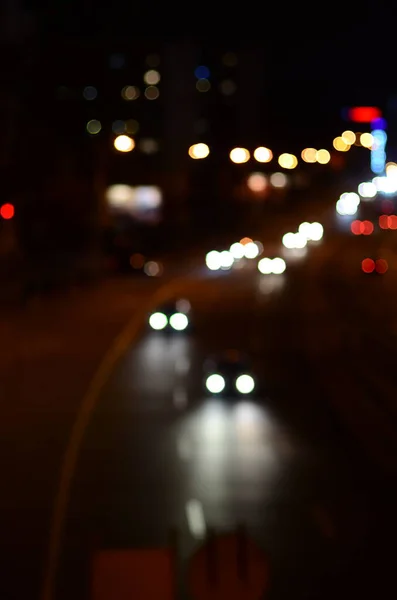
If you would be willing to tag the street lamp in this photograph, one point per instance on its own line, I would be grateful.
(123, 143)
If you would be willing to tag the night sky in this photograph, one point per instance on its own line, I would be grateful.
(319, 57)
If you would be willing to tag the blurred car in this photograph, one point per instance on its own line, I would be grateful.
(229, 374)
(173, 316)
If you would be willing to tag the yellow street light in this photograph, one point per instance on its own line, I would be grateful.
(287, 161)
(263, 155)
(123, 143)
(199, 151)
(239, 155)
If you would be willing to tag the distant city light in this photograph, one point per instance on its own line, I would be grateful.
(123, 143)
(391, 169)
(378, 153)
(133, 200)
(308, 155)
(203, 85)
(152, 92)
(198, 151)
(237, 250)
(340, 144)
(323, 156)
(278, 180)
(90, 92)
(257, 182)
(287, 161)
(7, 211)
(130, 92)
(348, 204)
(268, 266)
(94, 126)
(367, 189)
(366, 140)
(379, 123)
(151, 77)
(202, 72)
(239, 155)
(349, 137)
(263, 155)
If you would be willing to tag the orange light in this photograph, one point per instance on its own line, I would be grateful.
(7, 211)
(381, 266)
(384, 222)
(246, 240)
(368, 265)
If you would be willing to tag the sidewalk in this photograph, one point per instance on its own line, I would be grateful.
(48, 353)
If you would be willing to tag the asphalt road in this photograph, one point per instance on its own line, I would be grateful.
(314, 495)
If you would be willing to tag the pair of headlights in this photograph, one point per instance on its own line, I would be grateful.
(177, 321)
(244, 384)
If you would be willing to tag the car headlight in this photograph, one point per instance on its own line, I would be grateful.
(158, 321)
(179, 321)
(215, 383)
(245, 384)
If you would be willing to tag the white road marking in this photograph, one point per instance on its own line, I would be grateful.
(180, 397)
(195, 518)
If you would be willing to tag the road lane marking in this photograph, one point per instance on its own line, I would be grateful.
(116, 351)
(180, 397)
(195, 519)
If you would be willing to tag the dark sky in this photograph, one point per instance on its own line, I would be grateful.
(319, 56)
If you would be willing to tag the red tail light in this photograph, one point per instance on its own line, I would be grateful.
(381, 266)
(368, 265)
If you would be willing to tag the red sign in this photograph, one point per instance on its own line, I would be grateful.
(364, 114)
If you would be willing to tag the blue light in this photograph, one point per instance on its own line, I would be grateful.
(378, 154)
(202, 72)
(379, 123)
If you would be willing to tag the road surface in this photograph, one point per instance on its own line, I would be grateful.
(160, 453)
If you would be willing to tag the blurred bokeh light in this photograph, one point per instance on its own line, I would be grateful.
(323, 156)
(152, 92)
(257, 182)
(198, 151)
(239, 155)
(278, 180)
(130, 92)
(151, 77)
(349, 137)
(366, 140)
(94, 126)
(340, 144)
(287, 161)
(123, 143)
(309, 155)
(263, 155)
